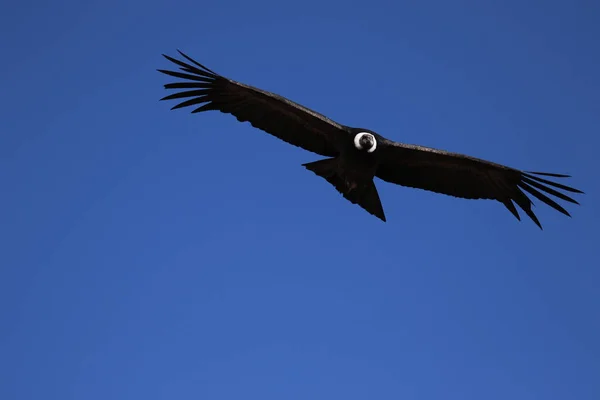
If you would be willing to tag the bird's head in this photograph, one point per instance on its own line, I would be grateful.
(365, 141)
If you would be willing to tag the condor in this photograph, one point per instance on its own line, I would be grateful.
(357, 155)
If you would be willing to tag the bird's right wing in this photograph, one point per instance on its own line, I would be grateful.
(468, 177)
(274, 114)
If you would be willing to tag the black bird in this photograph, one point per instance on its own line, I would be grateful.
(357, 155)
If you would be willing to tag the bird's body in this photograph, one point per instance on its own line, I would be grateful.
(355, 155)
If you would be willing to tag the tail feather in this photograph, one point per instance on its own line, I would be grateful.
(362, 193)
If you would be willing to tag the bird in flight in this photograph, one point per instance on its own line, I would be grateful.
(355, 156)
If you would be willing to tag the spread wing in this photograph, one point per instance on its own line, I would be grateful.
(467, 177)
(206, 90)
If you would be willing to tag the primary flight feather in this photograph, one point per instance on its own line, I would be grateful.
(357, 155)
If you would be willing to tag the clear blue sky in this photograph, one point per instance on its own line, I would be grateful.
(153, 254)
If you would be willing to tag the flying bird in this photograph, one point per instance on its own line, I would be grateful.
(355, 156)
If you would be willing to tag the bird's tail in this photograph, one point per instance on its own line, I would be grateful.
(363, 193)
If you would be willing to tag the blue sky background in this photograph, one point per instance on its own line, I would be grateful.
(151, 254)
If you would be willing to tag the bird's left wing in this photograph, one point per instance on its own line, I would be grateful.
(468, 177)
(206, 90)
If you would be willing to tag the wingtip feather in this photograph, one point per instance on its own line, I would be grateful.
(551, 183)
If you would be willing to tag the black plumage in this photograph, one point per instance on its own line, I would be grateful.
(357, 155)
